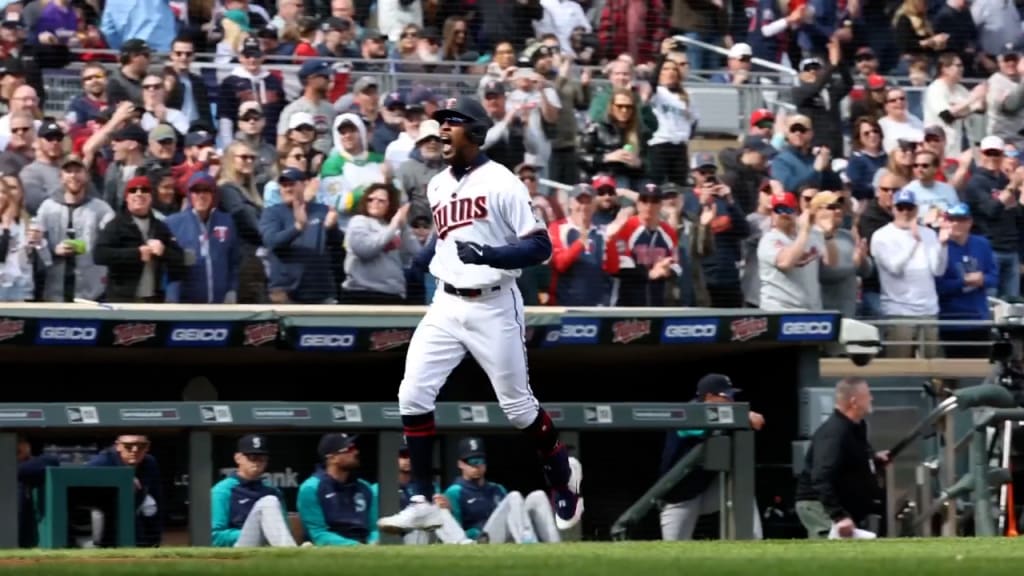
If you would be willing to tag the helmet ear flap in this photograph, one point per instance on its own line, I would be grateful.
(479, 133)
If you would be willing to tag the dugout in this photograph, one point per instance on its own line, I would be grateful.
(590, 355)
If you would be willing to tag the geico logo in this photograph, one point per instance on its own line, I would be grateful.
(797, 328)
(68, 333)
(691, 331)
(579, 331)
(327, 340)
(199, 334)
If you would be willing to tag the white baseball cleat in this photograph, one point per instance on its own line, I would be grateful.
(568, 503)
(418, 515)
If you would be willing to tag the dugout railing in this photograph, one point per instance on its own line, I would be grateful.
(202, 420)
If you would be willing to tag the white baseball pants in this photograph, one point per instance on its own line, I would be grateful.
(522, 520)
(265, 526)
(493, 329)
(449, 533)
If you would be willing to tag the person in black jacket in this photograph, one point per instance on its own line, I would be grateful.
(698, 492)
(818, 96)
(138, 249)
(133, 450)
(838, 484)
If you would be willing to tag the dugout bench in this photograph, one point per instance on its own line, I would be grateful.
(203, 420)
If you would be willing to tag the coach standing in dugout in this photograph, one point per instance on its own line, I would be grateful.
(838, 483)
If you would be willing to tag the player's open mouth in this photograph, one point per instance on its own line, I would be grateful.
(446, 144)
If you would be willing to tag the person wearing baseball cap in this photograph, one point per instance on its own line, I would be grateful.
(997, 211)
(908, 257)
(257, 85)
(487, 512)
(424, 162)
(212, 247)
(791, 253)
(798, 164)
(336, 507)
(577, 254)
(316, 77)
(971, 272)
(737, 65)
(246, 511)
(700, 491)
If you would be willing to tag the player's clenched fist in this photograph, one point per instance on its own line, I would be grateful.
(472, 253)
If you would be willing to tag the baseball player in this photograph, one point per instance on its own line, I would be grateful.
(490, 513)
(336, 508)
(486, 234)
(699, 492)
(246, 510)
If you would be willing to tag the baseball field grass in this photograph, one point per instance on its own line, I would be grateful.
(963, 557)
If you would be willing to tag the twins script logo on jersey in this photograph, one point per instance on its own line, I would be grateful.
(220, 233)
(458, 213)
(10, 329)
(260, 334)
(389, 339)
(626, 331)
(748, 328)
(129, 334)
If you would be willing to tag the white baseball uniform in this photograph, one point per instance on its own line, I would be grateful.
(489, 206)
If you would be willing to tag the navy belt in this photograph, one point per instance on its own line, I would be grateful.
(469, 292)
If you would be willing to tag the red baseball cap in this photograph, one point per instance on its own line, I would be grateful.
(602, 180)
(876, 82)
(760, 115)
(784, 200)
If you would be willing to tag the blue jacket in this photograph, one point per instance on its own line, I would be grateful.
(729, 229)
(148, 530)
(861, 173)
(299, 261)
(473, 503)
(338, 513)
(231, 501)
(956, 301)
(795, 169)
(31, 478)
(217, 249)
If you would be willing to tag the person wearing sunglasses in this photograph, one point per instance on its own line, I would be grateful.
(131, 450)
(799, 164)
(909, 258)
(822, 86)
(138, 249)
(791, 253)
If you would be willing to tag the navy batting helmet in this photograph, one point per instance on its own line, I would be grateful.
(471, 112)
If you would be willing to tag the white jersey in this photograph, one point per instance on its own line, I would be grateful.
(489, 206)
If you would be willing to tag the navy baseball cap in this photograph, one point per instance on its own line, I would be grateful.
(701, 160)
(651, 191)
(254, 444)
(466, 108)
(959, 210)
(315, 68)
(334, 442)
(716, 385)
(201, 138)
(471, 447)
(201, 180)
(904, 196)
(290, 175)
(251, 47)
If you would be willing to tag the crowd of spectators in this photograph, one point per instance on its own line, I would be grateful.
(162, 184)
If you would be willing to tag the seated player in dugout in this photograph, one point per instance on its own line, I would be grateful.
(450, 532)
(699, 492)
(488, 512)
(133, 450)
(245, 509)
(336, 508)
(31, 481)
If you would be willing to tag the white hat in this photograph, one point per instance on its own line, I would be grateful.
(740, 50)
(992, 143)
(300, 119)
(429, 128)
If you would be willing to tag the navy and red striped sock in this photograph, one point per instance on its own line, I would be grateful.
(419, 437)
(552, 452)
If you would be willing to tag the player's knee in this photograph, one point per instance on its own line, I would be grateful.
(521, 413)
(268, 501)
(537, 499)
(514, 496)
(411, 400)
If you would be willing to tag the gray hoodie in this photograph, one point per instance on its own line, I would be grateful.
(374, 256)
(85, 219)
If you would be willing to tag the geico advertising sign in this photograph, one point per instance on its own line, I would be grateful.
(576, 331)
(68, 332)
(326, 339)
(687, 330)
(199, 334)
(810, 327)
